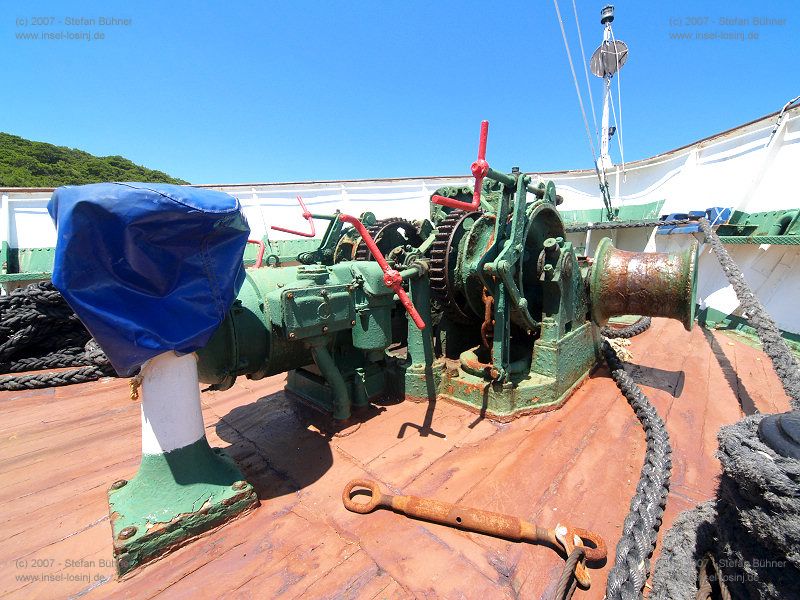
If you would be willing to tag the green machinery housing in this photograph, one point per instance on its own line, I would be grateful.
(504, 316)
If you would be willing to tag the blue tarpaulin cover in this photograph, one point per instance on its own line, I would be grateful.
(148, 268)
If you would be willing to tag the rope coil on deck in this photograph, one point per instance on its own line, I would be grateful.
(34, 320)
(751, 530)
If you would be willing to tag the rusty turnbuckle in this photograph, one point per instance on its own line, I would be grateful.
(479, 521)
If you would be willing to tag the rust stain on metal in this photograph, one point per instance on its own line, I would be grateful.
(651, 284)
(487, 329)
(127, 532)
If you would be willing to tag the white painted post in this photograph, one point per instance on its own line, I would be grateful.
(171, 413)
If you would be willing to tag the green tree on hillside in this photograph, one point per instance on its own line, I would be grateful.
(24, 163)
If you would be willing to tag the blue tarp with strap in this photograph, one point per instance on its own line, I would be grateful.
(148, 268)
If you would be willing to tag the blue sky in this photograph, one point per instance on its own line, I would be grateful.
(286, 91)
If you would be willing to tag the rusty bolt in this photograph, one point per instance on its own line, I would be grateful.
(128, 532)
(324, 329)
(292, 335)
(119, 483)
(239, 485)
(289, 295)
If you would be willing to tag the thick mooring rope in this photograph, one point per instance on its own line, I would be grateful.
(33, 321)
(751, 532)
(784, 363)
(639, 531)
(640, 326)
(752, 529)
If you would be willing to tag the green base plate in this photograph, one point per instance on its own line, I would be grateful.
(173, 498)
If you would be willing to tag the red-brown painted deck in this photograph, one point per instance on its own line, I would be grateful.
(62, 447)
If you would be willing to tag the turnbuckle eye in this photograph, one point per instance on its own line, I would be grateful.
(362, 487)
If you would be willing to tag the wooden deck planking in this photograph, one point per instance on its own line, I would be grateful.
(59, 450)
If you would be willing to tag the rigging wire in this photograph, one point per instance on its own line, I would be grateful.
(780, 118)
(585, 69)
(603, 184)
(575, 80)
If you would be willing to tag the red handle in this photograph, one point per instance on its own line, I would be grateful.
(307, 216)
(260, 256)
(480, 168)
(391, 278)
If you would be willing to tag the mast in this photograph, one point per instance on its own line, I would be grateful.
(606, 61)
(604, 160)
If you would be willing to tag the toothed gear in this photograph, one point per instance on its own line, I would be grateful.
(389, 234)
(442, 264)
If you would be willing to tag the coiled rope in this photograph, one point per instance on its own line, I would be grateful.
(34, 320)
(751, 531)
(747, 541)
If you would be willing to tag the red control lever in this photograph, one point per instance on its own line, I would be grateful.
(391, 278)
(307, 216)
(261, 249)
(480, 168)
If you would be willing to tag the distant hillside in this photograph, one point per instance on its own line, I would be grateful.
(24, 163)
